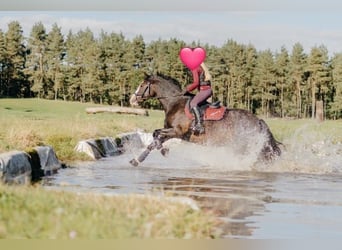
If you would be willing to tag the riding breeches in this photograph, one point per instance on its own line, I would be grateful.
(201, 96)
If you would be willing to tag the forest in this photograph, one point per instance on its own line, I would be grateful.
(107, 69)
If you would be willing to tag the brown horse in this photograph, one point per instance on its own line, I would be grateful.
(238, 128)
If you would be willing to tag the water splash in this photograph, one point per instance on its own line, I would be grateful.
(311, 152)
(303, 152)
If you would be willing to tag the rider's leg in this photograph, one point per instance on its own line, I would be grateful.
(200, 97)
(198, 120)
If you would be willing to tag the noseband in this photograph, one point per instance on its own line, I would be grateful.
(147, 89)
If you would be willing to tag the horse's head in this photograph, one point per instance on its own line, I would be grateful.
(145, 90)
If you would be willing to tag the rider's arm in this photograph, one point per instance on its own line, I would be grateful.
(195, 82)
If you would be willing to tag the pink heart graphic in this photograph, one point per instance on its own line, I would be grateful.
(192, 58)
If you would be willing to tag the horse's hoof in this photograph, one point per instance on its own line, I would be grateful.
(164, 151)
(134, 162)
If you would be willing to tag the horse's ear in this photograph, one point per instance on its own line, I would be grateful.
(146, 76)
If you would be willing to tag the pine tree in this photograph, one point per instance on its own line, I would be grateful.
(2, 63)
(282, 73)
(233, 54)
(219, 71)
(36, 60)
(319, 75)
(113, 47)
(176, 68)
(297, 66)
(251, 58)
(133, 68)
(15, 80)
(82, 58)
(54, 56)
(73, 69)
(336, 107)
(264, 79)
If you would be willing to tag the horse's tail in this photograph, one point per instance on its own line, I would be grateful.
(271, 149)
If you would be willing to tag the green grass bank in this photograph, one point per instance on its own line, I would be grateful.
(25, 123)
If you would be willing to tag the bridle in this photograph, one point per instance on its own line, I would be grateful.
(148, 89)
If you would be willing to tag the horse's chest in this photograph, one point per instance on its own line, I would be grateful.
(176, 119)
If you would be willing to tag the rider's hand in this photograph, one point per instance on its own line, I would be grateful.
(184, 92)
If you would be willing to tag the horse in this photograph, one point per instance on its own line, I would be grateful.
(239, 128)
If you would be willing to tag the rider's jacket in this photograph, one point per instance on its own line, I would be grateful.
(198, 80)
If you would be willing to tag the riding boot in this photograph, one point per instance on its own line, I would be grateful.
(198, 128)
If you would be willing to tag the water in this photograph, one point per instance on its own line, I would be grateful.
(299, 196)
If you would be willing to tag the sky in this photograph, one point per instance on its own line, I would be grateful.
(265, 28)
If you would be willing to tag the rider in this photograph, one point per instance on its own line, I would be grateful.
(201, 82)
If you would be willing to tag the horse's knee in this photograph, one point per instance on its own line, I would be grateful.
(156, 133)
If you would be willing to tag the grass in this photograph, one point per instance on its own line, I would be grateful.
(25, 123)
(300, 129)
(34, 213)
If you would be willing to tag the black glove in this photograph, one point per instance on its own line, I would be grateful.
(184, 92)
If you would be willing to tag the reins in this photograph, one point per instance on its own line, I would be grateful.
(148, 89)
(165, 97)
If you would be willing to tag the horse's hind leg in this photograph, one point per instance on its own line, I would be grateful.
(271, 148)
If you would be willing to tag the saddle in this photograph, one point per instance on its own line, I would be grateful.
(209, 111)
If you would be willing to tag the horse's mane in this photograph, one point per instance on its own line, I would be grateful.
(167, 78)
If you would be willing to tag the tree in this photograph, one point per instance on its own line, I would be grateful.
(282, 73)
(336, 107)
(55, 52)
(297, 66)
(36, 64)
(84, 69)
(113, 47)
(264, 79)
(319, 77)
(2, 63)
(235, 60)
(15, 80)
(251, 58)
(219, 70)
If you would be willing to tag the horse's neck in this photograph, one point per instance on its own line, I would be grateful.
(168, 94)
(169, 103)
(168, 90)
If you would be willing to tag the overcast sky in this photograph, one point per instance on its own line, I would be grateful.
(269, 29)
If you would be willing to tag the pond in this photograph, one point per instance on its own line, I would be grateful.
(299, 196)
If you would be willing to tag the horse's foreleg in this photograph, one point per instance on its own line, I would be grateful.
(166, 134)
(159, 137)
(155, 144)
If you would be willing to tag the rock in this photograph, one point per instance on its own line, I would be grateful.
(48, 159)
(98, 148)
(15, 167)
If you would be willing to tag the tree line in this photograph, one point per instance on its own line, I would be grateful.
(107, 69)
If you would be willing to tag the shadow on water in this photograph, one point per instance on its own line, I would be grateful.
(295, 198)
(232, 199)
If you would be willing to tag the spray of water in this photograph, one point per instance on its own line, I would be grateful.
(310, 152)
(304, 152)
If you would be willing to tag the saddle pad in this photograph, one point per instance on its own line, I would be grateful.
(214, 114)
(210, 114)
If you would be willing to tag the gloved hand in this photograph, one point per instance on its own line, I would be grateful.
(184, 92)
